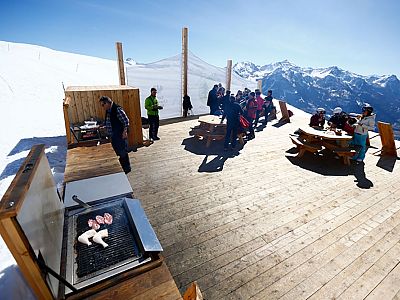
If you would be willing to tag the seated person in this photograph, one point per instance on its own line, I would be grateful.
(318, 119)
(338, 119)
(349, 125)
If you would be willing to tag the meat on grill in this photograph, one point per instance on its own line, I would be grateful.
(93, 224)
(99, 219)
(108, 219)
(98, 237)
(84, 237)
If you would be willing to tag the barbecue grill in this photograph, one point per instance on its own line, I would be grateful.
(33, 220)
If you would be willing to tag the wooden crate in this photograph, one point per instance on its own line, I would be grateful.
(82, 103)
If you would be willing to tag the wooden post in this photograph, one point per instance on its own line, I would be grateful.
(259, 85)
(228, 74)
(184, 63)
(121, 68)
(66, 120)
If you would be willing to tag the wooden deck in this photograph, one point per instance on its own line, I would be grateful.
(260, 223)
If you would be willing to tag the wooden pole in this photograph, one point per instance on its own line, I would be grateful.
(184, 62)
(228, 74)
(121, 68)
(259, 85)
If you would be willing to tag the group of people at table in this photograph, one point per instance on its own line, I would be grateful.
(250, 105)
(242, 111)
(356, 125)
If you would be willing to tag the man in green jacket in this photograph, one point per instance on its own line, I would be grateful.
(152, 107)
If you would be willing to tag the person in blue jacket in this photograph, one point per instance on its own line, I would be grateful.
(232, 114)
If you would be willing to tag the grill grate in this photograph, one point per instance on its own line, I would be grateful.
(121, 242)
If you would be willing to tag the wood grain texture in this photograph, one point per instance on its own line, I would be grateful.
(84, 104)
(260, 223)
(88, 162)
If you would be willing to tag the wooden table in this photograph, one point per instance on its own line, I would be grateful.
(326, 135)
(313, 140)
(211, 128)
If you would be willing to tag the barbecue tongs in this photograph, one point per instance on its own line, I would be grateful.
(80, 202)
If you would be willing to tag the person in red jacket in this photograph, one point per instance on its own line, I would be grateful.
(251, 107)
(260, 104)
(318, 119)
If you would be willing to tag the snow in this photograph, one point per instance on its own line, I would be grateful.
(31, 95)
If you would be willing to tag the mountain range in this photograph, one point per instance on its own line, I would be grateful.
(309, 88)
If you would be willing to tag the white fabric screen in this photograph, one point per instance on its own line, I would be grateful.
(165, 76)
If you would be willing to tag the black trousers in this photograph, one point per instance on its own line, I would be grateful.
(120, 147)
(154, 122)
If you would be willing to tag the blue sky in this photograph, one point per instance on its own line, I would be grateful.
(360, 36)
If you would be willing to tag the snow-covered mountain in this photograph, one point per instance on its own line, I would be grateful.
(308, 88)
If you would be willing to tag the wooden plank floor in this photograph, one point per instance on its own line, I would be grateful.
(259, 223)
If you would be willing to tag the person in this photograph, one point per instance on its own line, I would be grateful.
(268, 105)
(349, 125)
(152, 107)
(251, 107)
(212, 100)
(232, 114)
(365, 123)
(260, 105)
(338, 119)
(117, 124)
(317, 120)
(186, 105)
(226, 100)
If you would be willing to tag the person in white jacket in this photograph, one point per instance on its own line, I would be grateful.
(363, 125)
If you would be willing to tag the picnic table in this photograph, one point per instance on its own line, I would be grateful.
(212, 128)
(313, 140)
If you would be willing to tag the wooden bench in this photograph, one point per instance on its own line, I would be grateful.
(346, 153)
(303, 146)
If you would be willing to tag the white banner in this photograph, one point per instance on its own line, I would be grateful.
(165, 76)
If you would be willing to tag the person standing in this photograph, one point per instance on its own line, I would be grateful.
(117, 124)
(260, 105)
(186, 105)
(251, 107)
(365, 123)
(212, 100)
(268, 105)
(232, 112)
(152, 107)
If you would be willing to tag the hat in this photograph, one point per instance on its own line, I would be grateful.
(337, 110)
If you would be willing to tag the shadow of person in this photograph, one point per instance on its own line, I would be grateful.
(359, 173)
(216, 164)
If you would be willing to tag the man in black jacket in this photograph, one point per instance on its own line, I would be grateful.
(117, 124)
(212, 100)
